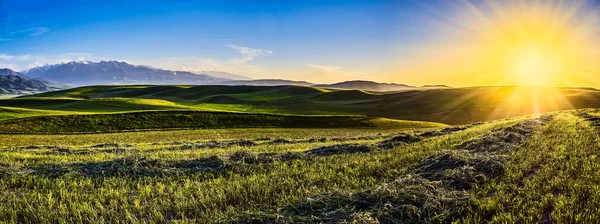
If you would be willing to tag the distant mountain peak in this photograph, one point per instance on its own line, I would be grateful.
(9, 72)
(15, 83)
(116, 72)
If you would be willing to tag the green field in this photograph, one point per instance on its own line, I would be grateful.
(503, 171)
(180, 119)
(448, 106)
(286, 154)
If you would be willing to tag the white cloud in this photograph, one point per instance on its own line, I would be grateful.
(21, 62)
(9, 35)
(326, 68)
(199, 64)
(247, 54)
(331, 73)
(6, 57)
(32, 32)
(6, 65)
(237, 65)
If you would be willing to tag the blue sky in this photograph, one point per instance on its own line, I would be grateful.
(255, 38)
(320, 41)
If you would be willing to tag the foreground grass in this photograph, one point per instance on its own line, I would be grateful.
(519, 170)
(149, 183)
(553, 178)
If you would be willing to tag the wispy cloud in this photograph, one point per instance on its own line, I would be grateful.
(9, 35)
(240, 64)
(4, 57)
(247, 54)
(25, 61)
(331, 73)
(326, 68)
(32, 32)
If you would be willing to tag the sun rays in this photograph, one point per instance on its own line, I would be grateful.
(515, 43)
(530, 45)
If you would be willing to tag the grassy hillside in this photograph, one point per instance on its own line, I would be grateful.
(14, 112)
(14, 83)
(522, 170)
(157, 120)
(451, 106)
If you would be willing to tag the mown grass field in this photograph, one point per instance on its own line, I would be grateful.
(448, 106)
(519, 170)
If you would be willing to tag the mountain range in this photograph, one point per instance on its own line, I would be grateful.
(115, 72)
(85, 73)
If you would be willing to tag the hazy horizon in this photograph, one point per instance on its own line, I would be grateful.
(459, 44)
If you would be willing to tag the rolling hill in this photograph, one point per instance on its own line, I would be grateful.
(449, 106)
(14, 83)
(166, 120)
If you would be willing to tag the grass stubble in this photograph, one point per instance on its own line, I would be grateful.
(531, 169)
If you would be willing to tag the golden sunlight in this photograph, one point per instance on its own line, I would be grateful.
(533, 67)
(515, 43)
(533, 47)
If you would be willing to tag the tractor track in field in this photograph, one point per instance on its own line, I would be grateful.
(434, 191)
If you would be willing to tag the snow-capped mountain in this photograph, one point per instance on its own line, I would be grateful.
(38, 71)
(114, 72)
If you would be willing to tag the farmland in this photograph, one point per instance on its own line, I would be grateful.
(471, 173)
(137, 154)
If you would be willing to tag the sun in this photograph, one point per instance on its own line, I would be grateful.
(549, 43)
(533, 66)
(532, 48)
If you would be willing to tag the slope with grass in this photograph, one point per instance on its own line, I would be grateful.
(523, 170)
(14, 83)
(164, 120)
(450, 106)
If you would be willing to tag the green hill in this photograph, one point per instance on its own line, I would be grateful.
(451, 106)
(161, 120)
